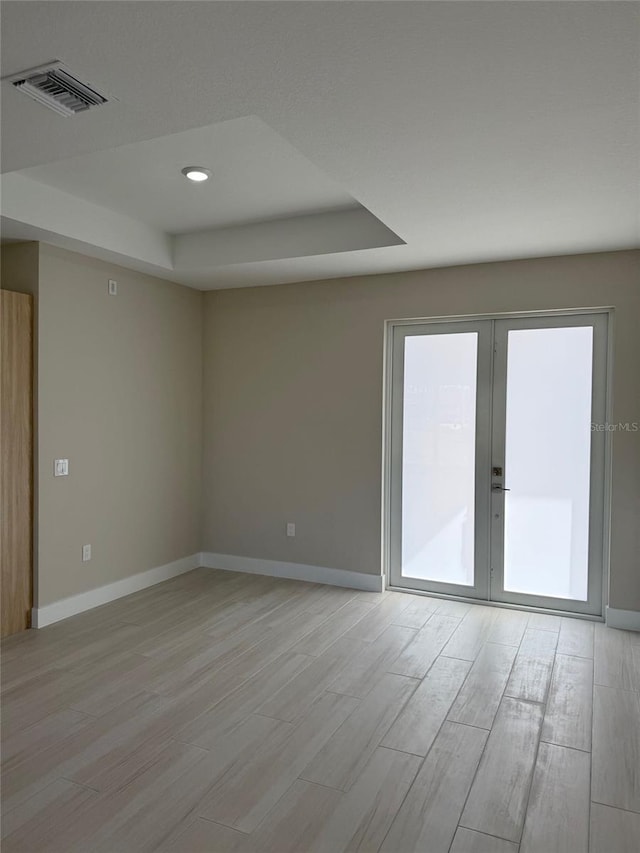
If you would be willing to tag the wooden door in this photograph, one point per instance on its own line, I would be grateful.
(16, 477)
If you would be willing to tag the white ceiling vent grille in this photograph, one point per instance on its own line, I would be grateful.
(53, 87)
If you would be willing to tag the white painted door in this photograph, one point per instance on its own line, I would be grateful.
(440, 420)
(548, 461)
(496, 473)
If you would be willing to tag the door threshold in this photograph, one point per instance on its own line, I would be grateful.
(590, 617)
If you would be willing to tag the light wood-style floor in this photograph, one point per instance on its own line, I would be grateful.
(228, 712)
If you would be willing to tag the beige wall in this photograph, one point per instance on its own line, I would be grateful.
(120, 395)
(292, 409)
(293, 402)
(19, 267)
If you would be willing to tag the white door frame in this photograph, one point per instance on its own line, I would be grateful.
(390, 365)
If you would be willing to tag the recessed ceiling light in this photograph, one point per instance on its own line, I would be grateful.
(196, 173)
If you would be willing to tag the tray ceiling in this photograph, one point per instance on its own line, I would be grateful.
(380, 136)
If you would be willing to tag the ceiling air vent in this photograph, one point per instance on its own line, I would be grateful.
(55, 88)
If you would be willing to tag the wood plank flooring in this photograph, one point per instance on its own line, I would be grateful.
(230, 713)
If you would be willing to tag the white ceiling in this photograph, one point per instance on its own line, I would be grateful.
(472, 131)
(257, 175)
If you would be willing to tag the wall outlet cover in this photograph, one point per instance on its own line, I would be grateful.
(61, 468)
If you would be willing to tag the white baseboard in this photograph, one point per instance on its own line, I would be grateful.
(41, 616)
(628, 620)
(293, 571)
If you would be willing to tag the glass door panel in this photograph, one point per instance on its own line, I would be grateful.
(437, 420)
(547, 518)
(547, 460)
(438, 462)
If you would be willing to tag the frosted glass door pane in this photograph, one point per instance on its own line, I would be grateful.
(547, 461)
(438, 464)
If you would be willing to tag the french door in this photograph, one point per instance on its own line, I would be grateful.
(496, 470)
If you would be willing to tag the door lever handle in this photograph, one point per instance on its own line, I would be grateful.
(496, 487)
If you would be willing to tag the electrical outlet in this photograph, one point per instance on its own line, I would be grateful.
(113, 287)
(60, 467)
(86, 553)
(291, 529)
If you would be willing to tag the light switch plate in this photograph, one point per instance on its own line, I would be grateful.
(113, 287)
(61, 468)
(86, 553)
